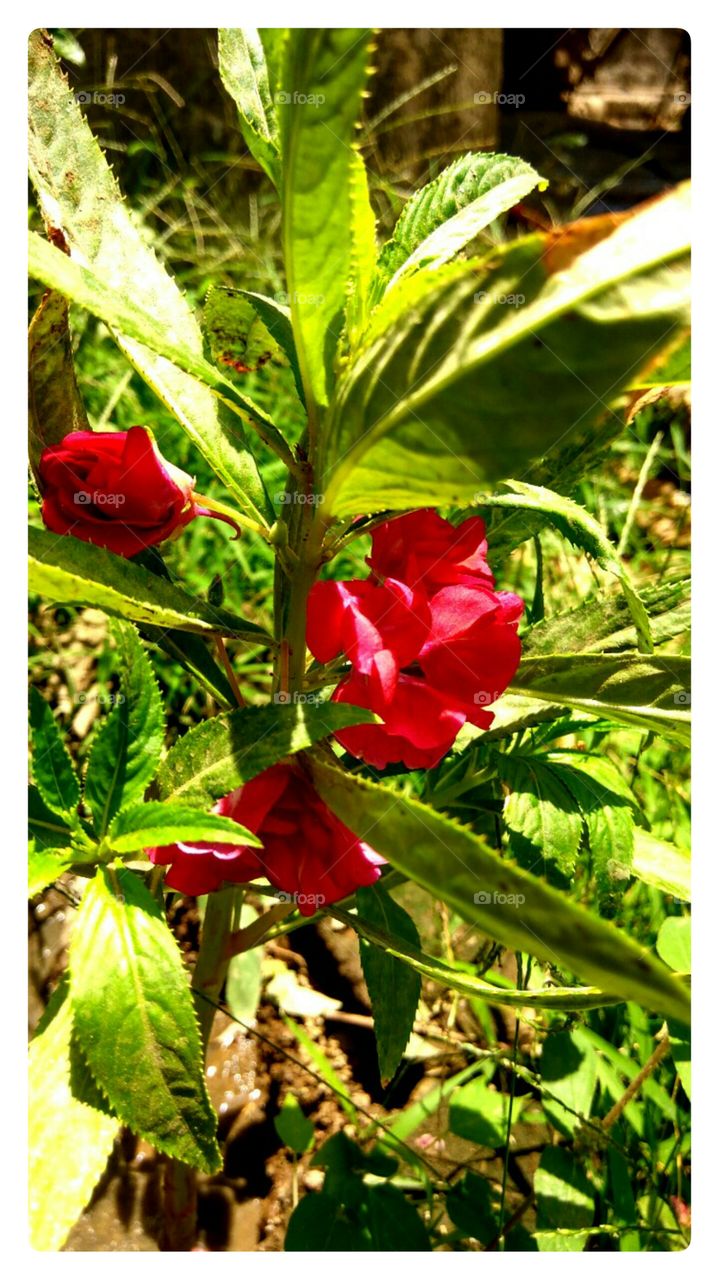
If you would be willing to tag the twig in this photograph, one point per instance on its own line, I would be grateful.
(660, 1052)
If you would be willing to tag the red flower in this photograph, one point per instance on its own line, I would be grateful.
(423, 550)
(380, 628)
(431, 665)
(307, 852)
(419, 725)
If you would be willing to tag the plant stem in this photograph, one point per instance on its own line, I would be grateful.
(225, 660)
(179, 1228)
(212, 958)
(307, 532)
(179, 1224)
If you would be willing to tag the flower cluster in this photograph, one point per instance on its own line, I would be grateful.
(115, 489)
(429, 640)
(306, 851)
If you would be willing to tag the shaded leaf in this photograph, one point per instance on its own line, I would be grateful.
(54, 404)
(583, 531)
(469, 1204)
(394, 988)
(394, 1224)
(569, 1070)
(480, 1114)
(293, 1127)
(47, 829)
(243, 984)
(448, 370)
(649, 691)
(565, 1200)
(604, 625)
(319, 1224)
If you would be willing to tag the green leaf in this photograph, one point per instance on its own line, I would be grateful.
(224, 445)
(54, 404)
(505, 902)
(48, 830)
(243, 71)
(157, 823)
(558, 795)
(394, 1224)
(69, 571)
(323, 77)
(363, 249)
(662, 865)
(238, 338)
(52, 766)
(649, 691)
(542, 817)
(293, 1127)
(480, 1114)
(565, 1200)
(681, 1051)
(469, 1205)
(79, 197)
(45, 866)
(569, 1069)
(447, 213)
(69, 1140)
(604, 625)
(135, 1009)
(319, 1225)
(449, 370)
(127, 746)
(583, 531)
(276, 319)
(463, 981)
(274, 40)
(183, 646)
(192, 653)
(674, 943)
(220, 755)
(394, 988)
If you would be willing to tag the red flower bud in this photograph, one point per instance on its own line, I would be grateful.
(115, 489)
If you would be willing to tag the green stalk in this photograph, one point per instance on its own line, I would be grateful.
(179, 1228)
